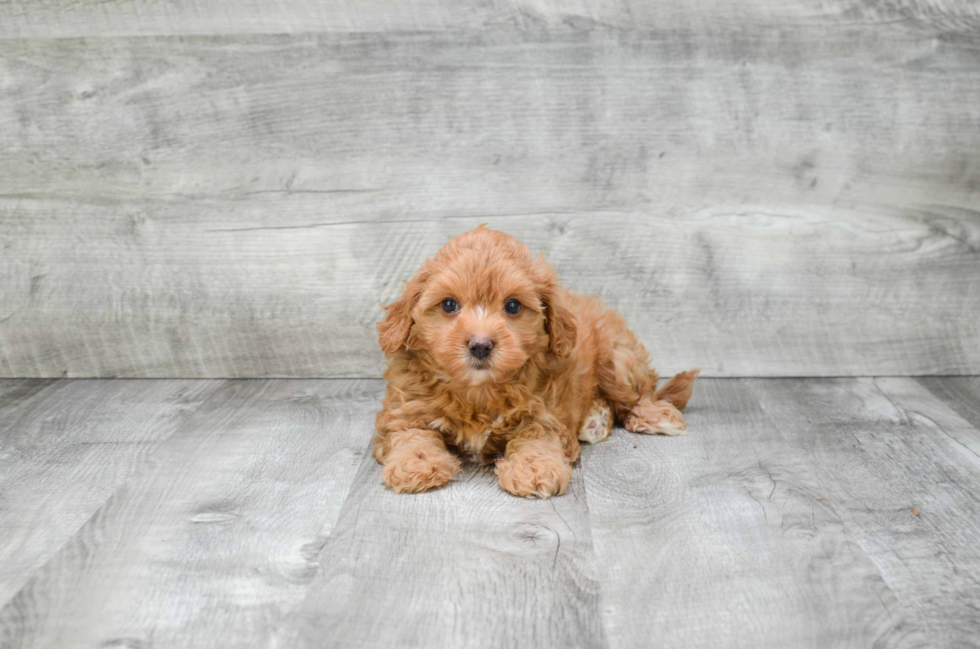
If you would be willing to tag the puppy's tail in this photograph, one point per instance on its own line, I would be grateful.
(677, 391)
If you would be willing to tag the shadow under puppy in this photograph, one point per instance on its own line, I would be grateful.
(490, 358)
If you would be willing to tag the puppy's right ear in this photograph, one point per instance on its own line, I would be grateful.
(393, 330)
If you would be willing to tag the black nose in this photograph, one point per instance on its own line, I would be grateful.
(480, 347)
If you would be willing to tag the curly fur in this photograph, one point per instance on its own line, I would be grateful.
(562, 359)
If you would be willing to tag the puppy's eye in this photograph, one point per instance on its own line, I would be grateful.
(449, 305)
(512, 307)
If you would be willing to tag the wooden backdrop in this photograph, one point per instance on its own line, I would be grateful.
(208, 188)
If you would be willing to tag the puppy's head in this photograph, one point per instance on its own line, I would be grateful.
(481, 309)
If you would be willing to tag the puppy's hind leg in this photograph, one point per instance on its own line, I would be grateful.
(655, 418)
(659, 412)
(598, 423)
(630, 384)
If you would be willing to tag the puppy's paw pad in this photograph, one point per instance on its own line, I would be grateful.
(655, 418)
(534, 475)
(598, 424)
(419, 469)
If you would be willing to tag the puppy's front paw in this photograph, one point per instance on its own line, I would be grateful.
(536, 468)
(418, 467)
(655, 418)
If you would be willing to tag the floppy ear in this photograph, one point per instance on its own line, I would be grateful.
(394, 328)
(559, 321)
(560, 324)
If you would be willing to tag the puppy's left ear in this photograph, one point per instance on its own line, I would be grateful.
(559, 320)
(561, 328)
(393, 330)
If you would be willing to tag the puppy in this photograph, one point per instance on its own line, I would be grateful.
(489, 358)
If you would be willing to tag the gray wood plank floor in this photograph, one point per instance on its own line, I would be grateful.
(795, 513)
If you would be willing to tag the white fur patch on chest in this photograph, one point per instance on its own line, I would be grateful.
(472, 444)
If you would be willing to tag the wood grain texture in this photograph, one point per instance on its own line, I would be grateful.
(784, 518)
(18, 397)
(888, 457)
(64, 18)
(920, 403)
(218, 540)
(758, 203)
(961, 393)
(723, 537)
(464, 566)
(65, 449)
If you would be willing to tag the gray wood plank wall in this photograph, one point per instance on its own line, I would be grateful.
(216, 189)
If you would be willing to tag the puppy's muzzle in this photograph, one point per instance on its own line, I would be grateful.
(480, 348)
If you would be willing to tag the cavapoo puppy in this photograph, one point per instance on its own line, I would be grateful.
(490, 358)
